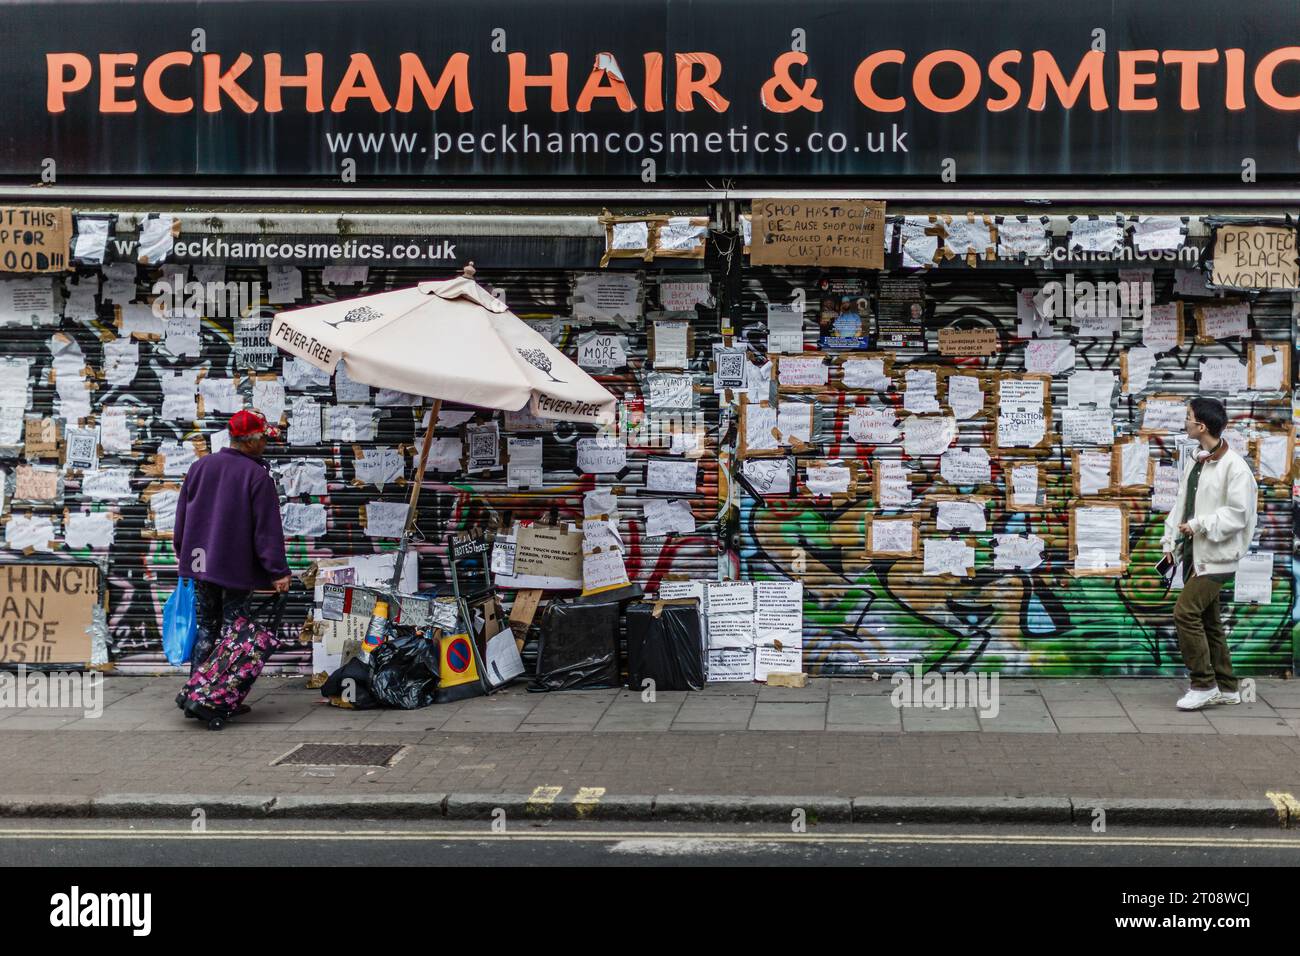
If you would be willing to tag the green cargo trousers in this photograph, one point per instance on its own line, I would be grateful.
(1200, 633)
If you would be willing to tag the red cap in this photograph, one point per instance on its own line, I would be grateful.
(245, 423)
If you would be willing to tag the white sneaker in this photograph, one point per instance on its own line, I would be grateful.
(1196, 698)
(1227, 697)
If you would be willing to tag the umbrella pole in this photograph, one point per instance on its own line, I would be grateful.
(412, 508)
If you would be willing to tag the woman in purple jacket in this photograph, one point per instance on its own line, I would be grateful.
(228, 535)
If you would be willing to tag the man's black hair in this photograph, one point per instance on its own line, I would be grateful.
(1210, 413)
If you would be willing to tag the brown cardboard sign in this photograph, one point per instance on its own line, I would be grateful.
(41, 437)
(819, 232)
(45, 611)
(1255, 257)
(968, 342)
(35, 238)
(543, 551)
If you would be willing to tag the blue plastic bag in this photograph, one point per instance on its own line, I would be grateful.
(180, 626)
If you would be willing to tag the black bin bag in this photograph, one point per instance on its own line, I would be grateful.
(404, 671)
(578, 648)
(664, 644)
(358, 694)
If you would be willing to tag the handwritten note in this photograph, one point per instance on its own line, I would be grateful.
(1162, 329)
(36, 483)
(828, 479)
(1135, 457)
(928, 436)
(768, 476)
(666, 517)
(921, 391)
(944, 556)
(601, 456)
(966, 466)
(1053, 356)
(112, 484)
(1268, 364)
(1087, 426)
(602, 352)
(1022, 420)
(1094, 472)
(667, 391)
(385, 519)
(1163, 415)
(301, 476)
(1025, 492)
(1223, 375)
(303, 520)
(379, 466)
(960, 515)
(866, 375)
(1223, 321)
(1017, 552)
(965, 398)
(798, 371)
(893, 489)
(1164, 493)
(664, 474)
(893, 536)
(873, 426)
(349, 423)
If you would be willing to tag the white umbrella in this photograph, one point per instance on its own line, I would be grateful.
(451, 341)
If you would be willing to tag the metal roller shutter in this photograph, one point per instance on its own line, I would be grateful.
(863, 615)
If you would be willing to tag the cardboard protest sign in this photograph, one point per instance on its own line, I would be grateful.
(1255, 257)
(46, 611)
(35, 238)
(819, 232)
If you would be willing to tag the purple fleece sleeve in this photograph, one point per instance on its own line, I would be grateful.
(268, 532)
(178, 535)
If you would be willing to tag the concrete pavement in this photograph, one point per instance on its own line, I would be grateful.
(1055, 751)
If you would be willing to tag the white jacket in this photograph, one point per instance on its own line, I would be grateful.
(1223, 518)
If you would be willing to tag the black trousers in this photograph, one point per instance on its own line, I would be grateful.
(214, 608)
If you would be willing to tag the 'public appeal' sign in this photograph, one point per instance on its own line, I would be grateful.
(649, 89)
(45, 610)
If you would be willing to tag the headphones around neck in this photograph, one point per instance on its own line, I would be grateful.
(1203, 455)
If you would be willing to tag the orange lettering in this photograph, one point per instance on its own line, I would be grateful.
(970, 87)
(520, 80)
(1088, 74)
(605, 79)
(862, 82)
(1004, 81)
(689, 86)
(1264, 87)
(369, 88)
(153, 91)
(215, 83)
(455, 75)
(1189, 63)
(1130, 79)
(654, 82)
(57, 82)
(110, 82)
(276, 81)
(1234, 87)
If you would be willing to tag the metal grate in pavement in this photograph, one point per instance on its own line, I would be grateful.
(341, 755)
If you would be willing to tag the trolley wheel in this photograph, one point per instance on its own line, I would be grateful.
(216, 723)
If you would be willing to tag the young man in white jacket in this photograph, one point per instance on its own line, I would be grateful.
(1207, 532)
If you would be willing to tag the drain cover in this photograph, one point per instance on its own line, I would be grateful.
(341, 755)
